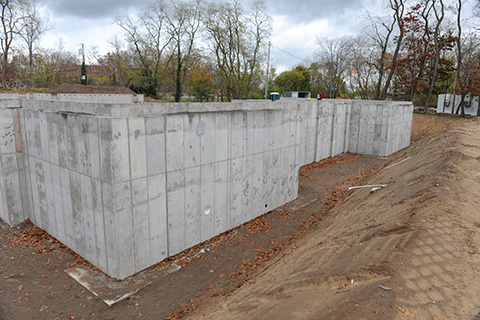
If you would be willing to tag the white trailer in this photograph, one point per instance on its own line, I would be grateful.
(445, 102)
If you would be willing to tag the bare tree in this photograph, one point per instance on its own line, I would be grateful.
(119, 62)
(32, 26)
(439, 15)
(398, 7)
(184, 21)
(10, 19)
(333, 56)
(148, 36)
(236, 38)
(459, 61)
(381, 36)
(364, 58)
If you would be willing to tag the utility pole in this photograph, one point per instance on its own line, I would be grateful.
(83, 53)
(268, 69)
(83, 77)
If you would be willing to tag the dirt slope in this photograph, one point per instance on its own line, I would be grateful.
(78, 88)
(417, 236)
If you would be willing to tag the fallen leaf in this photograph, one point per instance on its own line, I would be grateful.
(44, 307)
(20, 287)
(407, 313)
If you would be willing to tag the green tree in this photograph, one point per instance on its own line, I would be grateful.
(83, 77)
(297, 79)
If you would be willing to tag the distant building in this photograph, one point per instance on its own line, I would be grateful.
(297, 94)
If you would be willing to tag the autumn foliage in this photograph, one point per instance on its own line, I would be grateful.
(202, 83)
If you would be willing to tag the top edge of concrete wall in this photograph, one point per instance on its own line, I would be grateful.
(151, 108)
(369, 102)
(158, 108)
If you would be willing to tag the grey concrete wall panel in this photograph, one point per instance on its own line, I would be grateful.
(9, 96)
(141, 224)
(207, 202)
(41, 96)
(157, 213)
(222, 177)
(176, 211)
(100, 98)
(222, 136)
(248, 211)
(126, 186)
(137, 148)
(192, 207)
(206, 131)
(14, 208)
(175, 142)
(235, 193)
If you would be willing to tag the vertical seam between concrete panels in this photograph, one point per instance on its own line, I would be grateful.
(99, 146)
(346, 138)
(387, 136)
(64, 220)
(131, 192)
(358, 127)
(184, 181)
(214, 207)
(20, 160)
(27, 176)
(50, 164)
(332, 132)
(200, 185)
(3, 195)
(148, 193)
(229, 166)
(165, 129)
(316, 134)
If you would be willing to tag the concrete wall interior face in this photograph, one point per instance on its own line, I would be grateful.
(126, 186)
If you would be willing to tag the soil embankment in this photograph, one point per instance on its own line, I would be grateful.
(418, 238)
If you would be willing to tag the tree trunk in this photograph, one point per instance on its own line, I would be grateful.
(178, 90)
(4, 70)
(398, 7)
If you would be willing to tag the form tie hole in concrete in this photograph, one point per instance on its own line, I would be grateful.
(207, 210)
(266, 205)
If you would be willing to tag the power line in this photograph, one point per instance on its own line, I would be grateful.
(290, 54)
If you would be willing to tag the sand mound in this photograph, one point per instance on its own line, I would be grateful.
(417, 238)
(77, 88)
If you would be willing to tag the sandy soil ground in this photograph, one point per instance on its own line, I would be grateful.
(323, 256)
(409, 250)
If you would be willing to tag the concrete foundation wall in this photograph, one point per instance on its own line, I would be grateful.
(13, 201)
(95, 98)
(331, 127)
(126, 186)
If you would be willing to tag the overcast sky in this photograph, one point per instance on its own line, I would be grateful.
(296, 24)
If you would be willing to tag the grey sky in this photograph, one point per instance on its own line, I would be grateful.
(309, 10)
(90, 9)
(295, 24)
